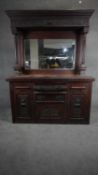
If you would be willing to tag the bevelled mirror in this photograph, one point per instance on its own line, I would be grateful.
(49, 53)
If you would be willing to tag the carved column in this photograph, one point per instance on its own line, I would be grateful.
(19, 51)
(81, 46)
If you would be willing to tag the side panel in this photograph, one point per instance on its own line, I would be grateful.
(80, 97)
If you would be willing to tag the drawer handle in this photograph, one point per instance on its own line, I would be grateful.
(23, 104)
(77, 105)
(22, 87)
(76, 87)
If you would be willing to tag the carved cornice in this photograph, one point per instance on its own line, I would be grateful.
(60, 19)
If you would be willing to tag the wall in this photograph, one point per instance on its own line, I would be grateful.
(7, 49)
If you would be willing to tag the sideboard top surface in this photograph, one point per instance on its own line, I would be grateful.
(23, 77)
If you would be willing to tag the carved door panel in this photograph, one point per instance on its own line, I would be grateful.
(78, 103)
(50, 107)
(78, 106)
(23, 103)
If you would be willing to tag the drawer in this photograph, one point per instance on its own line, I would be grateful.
(79, 88)
(50, 96)
(22, 85)
(50, 87)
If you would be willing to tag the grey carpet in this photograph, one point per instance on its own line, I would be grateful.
(31, 149)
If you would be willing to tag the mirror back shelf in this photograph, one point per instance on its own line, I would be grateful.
(50, 40)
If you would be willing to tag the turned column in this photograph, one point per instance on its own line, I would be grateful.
(80, 51)
(19, 51)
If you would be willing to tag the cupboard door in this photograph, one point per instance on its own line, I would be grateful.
(78, 106)
(22, 104)
(78, 103)
(50, 112)
(50, 107)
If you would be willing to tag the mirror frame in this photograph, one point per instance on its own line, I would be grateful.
(51, 35)
(30, 23)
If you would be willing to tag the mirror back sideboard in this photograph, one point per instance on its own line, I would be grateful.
(50, 85)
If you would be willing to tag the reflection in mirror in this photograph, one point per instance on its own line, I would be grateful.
(49, 53)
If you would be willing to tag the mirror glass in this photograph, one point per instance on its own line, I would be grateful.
(49, 53)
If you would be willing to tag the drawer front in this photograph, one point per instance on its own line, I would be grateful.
(22, 85)
(50, 87)
(50, 97)
(78, 88)
(50, 93)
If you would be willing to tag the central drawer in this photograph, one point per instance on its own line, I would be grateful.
(50, 102)
(50, 97)
(50, 87)
(50, 93)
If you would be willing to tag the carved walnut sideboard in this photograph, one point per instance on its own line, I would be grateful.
(55, 92)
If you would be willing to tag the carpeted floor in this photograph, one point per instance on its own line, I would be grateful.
(31, 149)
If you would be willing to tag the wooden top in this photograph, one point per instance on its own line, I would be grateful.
(22, 77)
